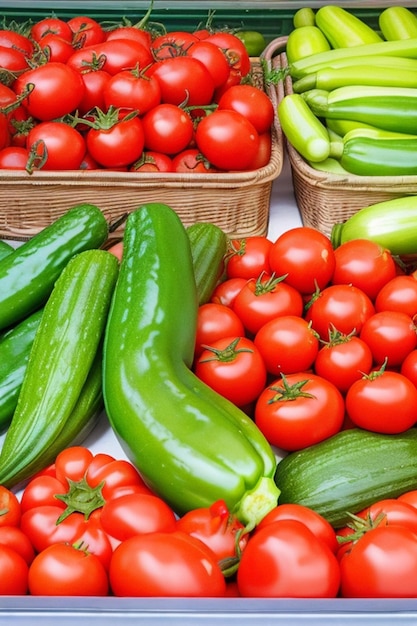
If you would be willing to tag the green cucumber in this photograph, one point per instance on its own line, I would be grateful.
(5, 249)
(208, 249)
(63, 351)
(348, 472)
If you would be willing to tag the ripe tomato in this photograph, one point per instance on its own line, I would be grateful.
(151, 161)
(15, 538)
(227, 139)
(299, 410)
(191, 161)
(344, 308)
(343, 360)
(10, 511)
(56, 48)
(183, 79)
(409, 367)
(384, 401)
(365, 264)
(285, 559)
(112, 56)
(165, 564)
(49, 25)
(131, 32)
(215, 321)
(252, 103)
(226, 291)
(13, 572)
(318, 524)
(86, 31)
(391, 511)
(14, 158)
(399, 294)
(10, 38)
(172, 44)
(117, 146)
(234, 49)
(167, 129)
(264, 299)
(94, 86)
(62, 145)
(390, 335)
(264, 152)
(248, 257)
(305, 256)
(287, 344)
(234, 368)
(64, 570)
(57, 90)
(213, 58)
(215, 526)
(132, 90)
(12, 60)
(382, 564)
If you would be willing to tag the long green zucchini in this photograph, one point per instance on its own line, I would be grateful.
(349, 471)
(5, 249)
(63, 351)
(208, 249)
(190, 445)
(28, 274)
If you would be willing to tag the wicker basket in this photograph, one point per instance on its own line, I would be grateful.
(324, 198)
(237, 202)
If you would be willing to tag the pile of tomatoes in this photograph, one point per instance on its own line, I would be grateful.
(76, 96)
(310, 340)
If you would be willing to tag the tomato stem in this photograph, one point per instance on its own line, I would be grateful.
(226, 355)
(81, 498)
(289, 392)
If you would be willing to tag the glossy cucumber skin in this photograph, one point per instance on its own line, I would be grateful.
(349, 471)
(64, 348)
(27, 275)
(208, 249)
(190, 445)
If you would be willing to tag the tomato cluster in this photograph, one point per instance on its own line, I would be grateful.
(78, 96)
(310, 340)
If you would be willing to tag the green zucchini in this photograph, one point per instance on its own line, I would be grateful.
(208, 249)
(348, 472)
(5, 249)
(28, 274)
(63, 351)
(15, 347)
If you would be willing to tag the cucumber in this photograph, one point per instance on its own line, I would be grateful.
(208, 249)
(348, 472)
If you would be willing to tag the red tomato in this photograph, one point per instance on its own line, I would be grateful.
(365, 264)
(383, 401)
(234, 368)
(62, 145)
(305, 256)
(299, 410)
(390, 335)
(151, 161)
(86, 31)
(131, 32)
(13, 39)
(15, 538)
(252, 103)
(94, 86)
(172, 44)
(132, 90)
(10, 511)
(264, 152)
(285, 560)
(410, 497)
(13, 158)
(183, 79)
(191, 161)
(13, 60)
(248, 257)
(64, 570)
(228, 140)
(264, 299)
(117, 55)
(56, 48)
(42, 490)
(382, 564)
(117, 146)
(135, 514)
(165, 564)
(213, 58)
(318, 524)
(57, 90)
(409, 367)
(226, 291)
(217, 528)
(287, 344)
(167, 128)
(391, 511)
(48, 25)
(343, 360)
(399, 294)
(344, 308)
(234, 49)
(215, 321)
(13, 572)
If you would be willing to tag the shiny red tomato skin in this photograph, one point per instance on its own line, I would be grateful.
(248, 257)
(384, 404)
(345, 362)
(119, 146)
(215, 321)
(49, 25)
(390, 335)
(129, 91)
(293, 424)
(306, 256)
(94, 86)
(10, 509)
(213, 58)
(409, 367)
(399, 294)
(119, 54)
(365, 264)
(14, 572)
(382, 564)
(15, 538)
(65, 146)
(285, 560)
(183, 79)
(86, 31)
(226, 291)
(251, 102)
(167, 128)
(234, 49)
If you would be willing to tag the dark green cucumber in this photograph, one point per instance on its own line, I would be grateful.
(15, 347)
(5, 249)
(208, 248)
(28, 274)
(63, 351)
(348, 472)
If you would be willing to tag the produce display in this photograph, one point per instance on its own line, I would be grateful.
(352, 106)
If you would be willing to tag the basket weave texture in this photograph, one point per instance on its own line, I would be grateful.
(325, 199)
(238, 202)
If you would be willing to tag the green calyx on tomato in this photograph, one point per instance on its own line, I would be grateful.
(227, 354)
(82, 498)
(289, 392)
(263, 286)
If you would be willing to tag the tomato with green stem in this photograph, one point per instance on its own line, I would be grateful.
(113, 56)
(56, 146)
(167, 128)
(10, 511)
(86, 31)
(132, 89)
(183, 79)
(248, 257)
